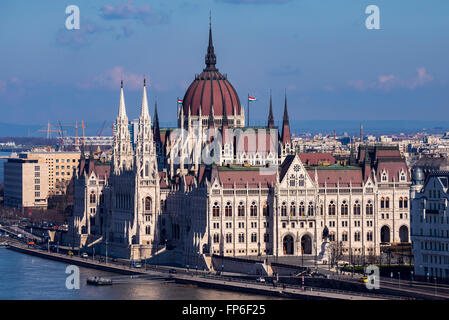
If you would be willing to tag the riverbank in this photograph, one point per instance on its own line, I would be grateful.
(203, 279)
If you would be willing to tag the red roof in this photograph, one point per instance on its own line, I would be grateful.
(315, 159)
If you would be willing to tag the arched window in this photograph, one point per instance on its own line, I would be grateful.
(148, 204)
(344, 236)
(228, 238)
(369, 208)
(216, 238)
(253, 237)
(292, 209)
(357, 236)
(301, 181)
(241, 209)
(147, 166)
(253, 210)
(228, 210)
(301, 209)
(266, 209)
(387, 202)
(292, 181)
(332, 236)
(92, 197)
(331, 208)
(310, 209)
(406, 202)
(284, 209)
(401, 202)
(216, 210)
(321, 209)
(357, 208)
(148, 230)
(344, 208)
(382, 202)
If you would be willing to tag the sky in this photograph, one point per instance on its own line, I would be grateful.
(317, 51)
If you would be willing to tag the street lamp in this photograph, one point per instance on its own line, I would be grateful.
(411, 278)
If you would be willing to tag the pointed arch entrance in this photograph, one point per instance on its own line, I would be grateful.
(288, 245)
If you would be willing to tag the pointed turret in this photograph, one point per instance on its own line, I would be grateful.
(122, 107)
(144, 111)
(156, 129)
(270, 115)
(210, 59)
(286, 137)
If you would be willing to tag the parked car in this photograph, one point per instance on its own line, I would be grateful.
(84, 255)
(137, 265)
(261, 280)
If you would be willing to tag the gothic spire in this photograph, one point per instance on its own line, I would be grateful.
(286, 137)
(270, 115)
(211, 59)
(144, 112)
(122, 107)
(156, 130)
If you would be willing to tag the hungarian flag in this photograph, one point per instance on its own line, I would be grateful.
(179, 101)
(251, 99)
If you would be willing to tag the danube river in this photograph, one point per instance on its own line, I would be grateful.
(28, 277)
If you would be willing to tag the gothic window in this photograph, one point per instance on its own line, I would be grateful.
(228, 238)
(321, 209)
(146, 169)
(357, 208)
(284, 209)
(148, 204)
(405, 202)
(292, 209)
(344, 236)
(241, 210)
(310, 209)
(369, 236)
(382, 202)
(253, 210)
(301, 209)
(384, 177)
(241, 237)
(148, 230)
(292, 181)
(92, 197)
(402, 178)
(216, 210)
(369, 208)
(266, 237)
(331, 208)
(253, 237)
(357, 236)
(266, 209)
(216, 238)
(301, 181)
(332, 236)
(401, 202)
(387, 202)
(228, 210)
(344, 208)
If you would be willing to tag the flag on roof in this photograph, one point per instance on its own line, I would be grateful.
(179, 101)
(251, 99)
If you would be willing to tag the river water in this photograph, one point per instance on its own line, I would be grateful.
(28, 277)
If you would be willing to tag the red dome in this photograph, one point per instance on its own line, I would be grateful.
(211, 88)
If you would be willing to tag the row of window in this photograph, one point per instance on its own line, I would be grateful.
(240, 210)
(357, 236)
(241, 237)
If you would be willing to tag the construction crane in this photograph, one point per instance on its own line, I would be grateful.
(100, 132)
(49, 130)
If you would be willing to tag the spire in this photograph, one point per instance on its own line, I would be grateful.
(122, 107)
(270, 115)
(286, 124)
(156, 130)
(144, 112)
(211, 59)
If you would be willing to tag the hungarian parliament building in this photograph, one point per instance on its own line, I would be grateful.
(215, 186)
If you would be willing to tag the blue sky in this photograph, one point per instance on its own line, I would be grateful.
(319, 51)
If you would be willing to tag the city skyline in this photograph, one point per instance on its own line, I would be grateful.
(320, 53)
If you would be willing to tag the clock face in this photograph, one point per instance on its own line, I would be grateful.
(296, 168)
